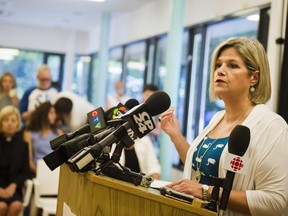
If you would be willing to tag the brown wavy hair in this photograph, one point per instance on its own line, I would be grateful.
(39, 118)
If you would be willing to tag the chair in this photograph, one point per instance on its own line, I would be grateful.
(27, 191)
(46, 188)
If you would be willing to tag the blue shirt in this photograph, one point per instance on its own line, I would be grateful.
(206, 157)
(41, 145)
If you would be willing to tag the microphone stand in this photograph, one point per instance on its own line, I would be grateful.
(114, 159)
(217, 183)
(111, 169)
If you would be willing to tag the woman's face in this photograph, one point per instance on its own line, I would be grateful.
(52, 116)
(10, 124)
(231, 76)
(7, 83)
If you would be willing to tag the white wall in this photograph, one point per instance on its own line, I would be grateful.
(149, 20)
(42, 39)
(153, 19)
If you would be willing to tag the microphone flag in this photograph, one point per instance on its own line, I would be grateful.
(236, 163)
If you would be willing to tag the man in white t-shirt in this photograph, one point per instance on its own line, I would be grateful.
(35, 95)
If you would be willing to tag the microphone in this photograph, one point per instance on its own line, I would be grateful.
(237, 145)
(131, 103)
(67, 145)
(96, 120)
(138, 118)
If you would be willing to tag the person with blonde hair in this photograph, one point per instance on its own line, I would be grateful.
(34, 96)
(8, 93)
(14, 163)
(239, 76)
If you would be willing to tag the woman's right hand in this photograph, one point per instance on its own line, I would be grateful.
(170, 124)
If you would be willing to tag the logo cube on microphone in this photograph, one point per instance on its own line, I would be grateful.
(96, 119)
(237, 164)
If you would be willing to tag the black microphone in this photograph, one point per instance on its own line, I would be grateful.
(131, 103)
(138, 118)
(97, 119)
(237, 145)
(67, 145)
(56, 142)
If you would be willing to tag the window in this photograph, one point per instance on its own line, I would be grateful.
(56, 64)
(114, 68)
(160, 64)
(24, 67)
(195, 85)
(81, 75)
(93, 78)
(134, 68)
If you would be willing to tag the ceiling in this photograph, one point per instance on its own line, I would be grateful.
(63, 14)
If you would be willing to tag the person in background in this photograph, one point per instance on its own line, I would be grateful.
(38, 132)
(14, 161)
(239, 76)
(8, 93)
(37, 94)
(71, 110)
(118, 97)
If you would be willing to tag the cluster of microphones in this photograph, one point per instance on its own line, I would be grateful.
(88, 148)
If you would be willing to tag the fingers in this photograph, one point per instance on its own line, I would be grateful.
(167, 113)
(174, 183)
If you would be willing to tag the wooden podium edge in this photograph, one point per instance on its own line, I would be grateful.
(127, 187)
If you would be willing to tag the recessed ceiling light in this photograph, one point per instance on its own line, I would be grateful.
(97, 0)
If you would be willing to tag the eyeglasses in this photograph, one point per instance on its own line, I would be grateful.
(44, 79)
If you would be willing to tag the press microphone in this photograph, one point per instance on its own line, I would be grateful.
(96, 121)
(66, 145)
(237, 145)
(131, 103)
(139, 119)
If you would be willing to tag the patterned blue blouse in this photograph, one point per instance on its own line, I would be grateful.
(207, 158)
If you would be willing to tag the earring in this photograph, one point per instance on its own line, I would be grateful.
(252, 89)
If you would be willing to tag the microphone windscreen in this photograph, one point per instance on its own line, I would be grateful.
(131, 103)
(239, 140)
(158, 102)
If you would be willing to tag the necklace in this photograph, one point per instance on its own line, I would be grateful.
(199, 159)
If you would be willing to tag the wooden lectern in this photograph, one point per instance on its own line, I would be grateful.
(90, 195)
